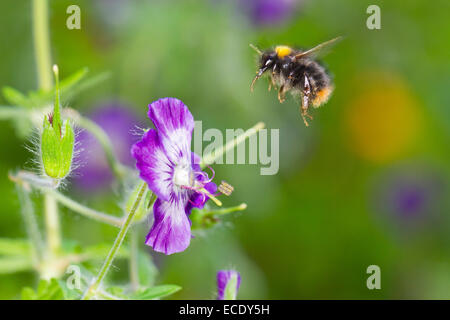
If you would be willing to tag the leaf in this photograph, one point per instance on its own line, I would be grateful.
(69, 294)
(16, 247)
(71, 85)
(47, 290)
(15, 264)
(86, 84)
(73, 79)
(70, 246)
(113, 293)
(14, 96)
(28, 294)
(69, 286)
(155, 292)
(40, 98)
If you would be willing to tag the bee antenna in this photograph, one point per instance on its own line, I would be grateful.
(255, 48)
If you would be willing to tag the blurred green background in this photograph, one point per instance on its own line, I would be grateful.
(367, 183)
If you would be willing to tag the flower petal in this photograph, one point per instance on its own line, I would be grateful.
(171, 230)
(174, 123)
(153, 165)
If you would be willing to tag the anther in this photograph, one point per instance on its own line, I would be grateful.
(225, 188)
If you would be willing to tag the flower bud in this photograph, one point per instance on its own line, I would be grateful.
(202, 219)
(228, 282)
(57, 148)
(57, 141)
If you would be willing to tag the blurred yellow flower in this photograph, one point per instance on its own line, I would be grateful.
(383, 118)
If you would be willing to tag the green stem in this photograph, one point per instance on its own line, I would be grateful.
(85, 211)
(213, 156)
(12, 112)
(14, 264)
(116, 246)
(31, 225)
(45, 186)
(44, 72)
(52, 225)
(42, 43)
(133, 260)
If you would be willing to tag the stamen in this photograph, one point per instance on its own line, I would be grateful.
(205, 175)
(213, 173)
(212, 197)
(203, 191)
(225, 188)
(191, 188)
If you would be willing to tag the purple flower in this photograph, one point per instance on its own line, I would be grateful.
(118, 122)
(409, 195)
(228, 282)
(171, 170)
(269, 12)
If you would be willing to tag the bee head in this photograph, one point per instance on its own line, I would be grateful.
(267, 61)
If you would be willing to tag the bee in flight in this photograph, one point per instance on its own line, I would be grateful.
(297, 71)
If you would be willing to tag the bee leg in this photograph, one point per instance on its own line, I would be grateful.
(281, 92)
(254, 81)
(258, 75)
(274, 70)
(304, 110)
(270, 84)
(305, 101)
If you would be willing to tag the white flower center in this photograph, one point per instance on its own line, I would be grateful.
(183, 175)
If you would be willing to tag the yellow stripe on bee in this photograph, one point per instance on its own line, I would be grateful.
(322, 96)
(283, 51)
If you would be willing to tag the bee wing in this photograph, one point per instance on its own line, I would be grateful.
(319, 49)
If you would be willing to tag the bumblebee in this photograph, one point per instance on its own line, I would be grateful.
(298, 72)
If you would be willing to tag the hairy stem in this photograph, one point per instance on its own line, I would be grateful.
(42, 43)
(52, 225)
(44, 72)
(213, 156)
(31, 225)
(7, 112)
(45, 186)
(133, 260)
(85, 211)
(116, 246)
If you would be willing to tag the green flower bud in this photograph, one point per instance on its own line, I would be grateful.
(57, 141)
(57, 148)
(206, 218)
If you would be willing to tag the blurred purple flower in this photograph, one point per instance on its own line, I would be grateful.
(228, 282)
(165, 161)
(118, 122)
(269, 12)
(410, 196)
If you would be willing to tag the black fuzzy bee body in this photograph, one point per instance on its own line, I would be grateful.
(297, 72)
